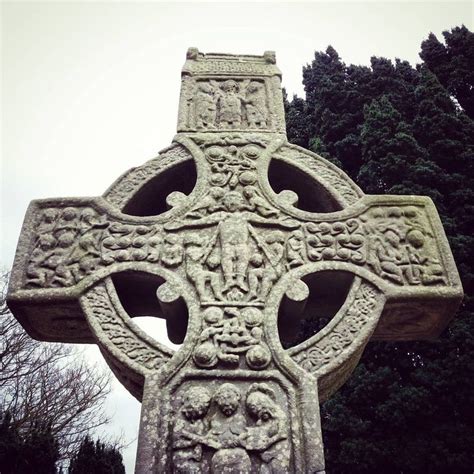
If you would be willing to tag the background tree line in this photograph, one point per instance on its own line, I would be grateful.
(51, 399)
(398, 129)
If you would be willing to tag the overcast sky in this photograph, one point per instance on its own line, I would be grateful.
(91, 89)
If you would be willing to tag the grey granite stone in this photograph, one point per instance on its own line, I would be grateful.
(213, 237)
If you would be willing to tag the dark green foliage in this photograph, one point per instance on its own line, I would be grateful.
(453, 64)
(408, 407)
(297, 120)
(10, 445)
(34, 451)
(96, 458)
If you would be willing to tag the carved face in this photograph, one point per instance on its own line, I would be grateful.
(196, 403)
(47, 241)
(392, 237)
(206, 88)
(260, 405)
(230, 86)
(227, 399)
(233, 201)
(49, 215)
(69, 214)
(254, 86)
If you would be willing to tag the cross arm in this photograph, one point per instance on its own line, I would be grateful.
(398, 243)
(66, 246)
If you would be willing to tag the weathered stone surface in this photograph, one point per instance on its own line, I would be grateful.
(232, 235)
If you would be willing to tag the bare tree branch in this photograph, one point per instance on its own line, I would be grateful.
(50, 382)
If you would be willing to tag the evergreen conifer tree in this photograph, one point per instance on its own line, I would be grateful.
(453, 64)
(408, 407)
(96, 458)
(31, 452)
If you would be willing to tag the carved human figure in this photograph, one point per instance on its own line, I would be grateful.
(67, 221)
(421, 267)
(390, 255)
(40, 270)
(189, 431)
(205, 106)
(266, 267)
(233, 234)
(227, 425)
(258, 203)
(48, 221)
(295, 249)
(172, 250)
(256, 275)
(210, 202)
(269, 435)
(207, 352)
(230, 105)
(197, 253)
(255, 105)
(86, 254)
(65, 233)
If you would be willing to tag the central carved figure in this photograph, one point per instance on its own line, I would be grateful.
(232, 265)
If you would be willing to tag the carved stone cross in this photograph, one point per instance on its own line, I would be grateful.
(212, 236)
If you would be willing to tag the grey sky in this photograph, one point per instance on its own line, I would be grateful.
(91, 89)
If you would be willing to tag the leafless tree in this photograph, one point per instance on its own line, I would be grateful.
(49, 382)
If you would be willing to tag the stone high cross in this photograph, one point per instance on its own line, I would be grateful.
(212, 237)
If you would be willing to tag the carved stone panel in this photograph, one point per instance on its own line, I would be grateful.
(231, 425)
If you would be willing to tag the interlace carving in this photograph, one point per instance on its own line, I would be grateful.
(117, 332)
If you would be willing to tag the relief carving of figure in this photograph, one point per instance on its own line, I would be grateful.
(40, 270)
(388, 255)
(68, 246)
(172, 250)
(197, 251)
(266, 271)
(295, 249)
(258, 203)
(422, 267)
(227, 426)
(255, 105)
(205, 106)
(233, 234)
(209, 203)
(189, 431)
(269, 434)
(230, 105)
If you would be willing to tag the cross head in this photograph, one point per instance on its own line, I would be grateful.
(233, 236)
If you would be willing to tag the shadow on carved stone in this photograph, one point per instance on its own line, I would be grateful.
(327, 292)
(152, 198)
(312, 196)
